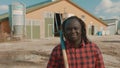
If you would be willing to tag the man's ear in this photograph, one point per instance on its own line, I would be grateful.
(64, 34)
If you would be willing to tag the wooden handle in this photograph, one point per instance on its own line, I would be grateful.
(65, 59)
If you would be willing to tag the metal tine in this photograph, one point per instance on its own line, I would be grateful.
(56, 23)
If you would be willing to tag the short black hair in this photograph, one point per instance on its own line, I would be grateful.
(83, 27)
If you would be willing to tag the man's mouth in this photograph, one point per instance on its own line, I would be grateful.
(73, 36)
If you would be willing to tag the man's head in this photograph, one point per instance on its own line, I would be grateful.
(74, 29)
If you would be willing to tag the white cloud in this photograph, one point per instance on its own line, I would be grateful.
(3, 7)
(115, 17)
(102, 17)
(107, 6)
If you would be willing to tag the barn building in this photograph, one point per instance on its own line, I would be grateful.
(41, 18)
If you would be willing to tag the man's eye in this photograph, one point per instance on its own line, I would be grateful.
(76, 28)
(68, 28)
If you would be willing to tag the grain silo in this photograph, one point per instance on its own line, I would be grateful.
(17, 19)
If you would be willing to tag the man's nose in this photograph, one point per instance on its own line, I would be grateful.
(72, 30)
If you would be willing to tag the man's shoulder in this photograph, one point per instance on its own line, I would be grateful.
(92, 44)
(57, 50)
(57, 47)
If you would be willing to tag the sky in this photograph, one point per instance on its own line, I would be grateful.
(106, 9)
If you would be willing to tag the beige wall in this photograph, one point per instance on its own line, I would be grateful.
(60, 7)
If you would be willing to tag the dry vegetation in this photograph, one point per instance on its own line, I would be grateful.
(35, 53)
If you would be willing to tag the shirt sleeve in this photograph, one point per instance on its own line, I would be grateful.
(52, 63)
(99, 59)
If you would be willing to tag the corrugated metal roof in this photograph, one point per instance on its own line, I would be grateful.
(112, 21)
(108, 21)
(3, 16)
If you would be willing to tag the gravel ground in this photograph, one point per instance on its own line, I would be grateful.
(35, 53)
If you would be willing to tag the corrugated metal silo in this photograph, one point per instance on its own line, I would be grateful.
(17, 19)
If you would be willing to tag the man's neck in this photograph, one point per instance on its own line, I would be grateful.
(76, 44)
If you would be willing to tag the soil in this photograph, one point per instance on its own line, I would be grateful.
(35, 53)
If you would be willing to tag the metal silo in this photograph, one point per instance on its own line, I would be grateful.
(17, 19)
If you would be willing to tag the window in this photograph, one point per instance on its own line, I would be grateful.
(48, 14)
(83, 17)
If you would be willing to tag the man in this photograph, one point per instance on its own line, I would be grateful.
(81, 53)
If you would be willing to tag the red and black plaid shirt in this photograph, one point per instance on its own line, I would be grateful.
(86, 56)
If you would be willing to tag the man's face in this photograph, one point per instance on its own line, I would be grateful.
(72, 31)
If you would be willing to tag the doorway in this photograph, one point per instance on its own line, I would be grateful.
(57, 23)
(92, 30)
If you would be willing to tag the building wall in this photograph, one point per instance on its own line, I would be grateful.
(112, 29)
(32, 29)
(4, 28)
(62, 7)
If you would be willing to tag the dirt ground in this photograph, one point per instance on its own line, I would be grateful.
(35, 53)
